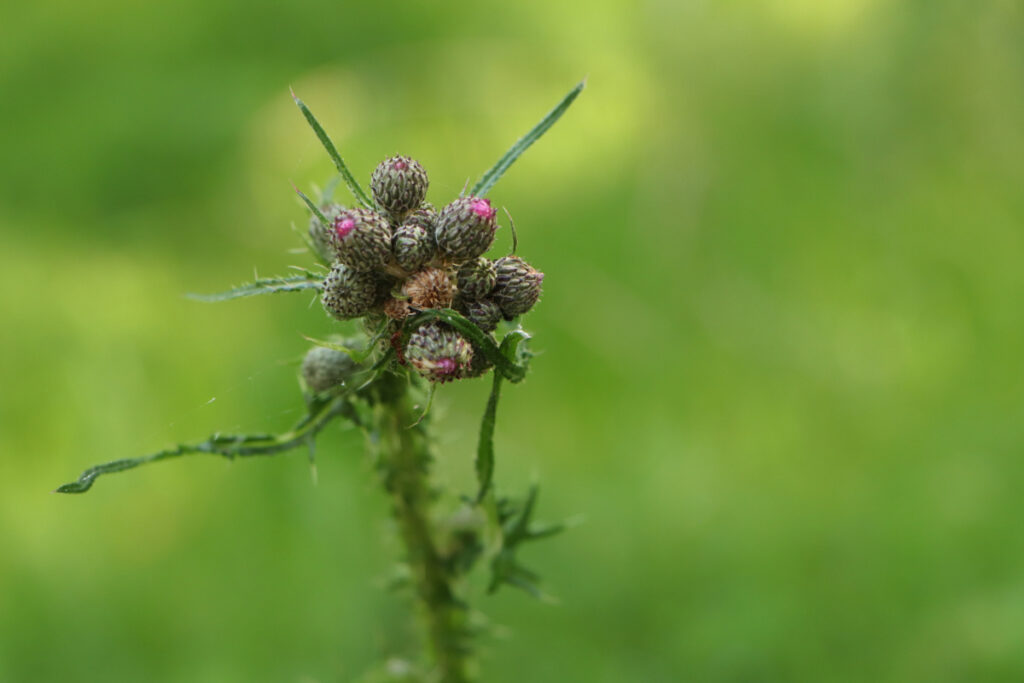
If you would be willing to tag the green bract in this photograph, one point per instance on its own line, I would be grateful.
(399, 185)
(476, 278)
(517, 287)
(349, 293)
(465, 228)
(438, 353)
(324, 368)
(361, 239)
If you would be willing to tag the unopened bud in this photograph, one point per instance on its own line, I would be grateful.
(399, 185)
(349, 293)
(465, 228)
(518, 286)
(325, 368)
(438, 352)
(485, 314)
(361, 239)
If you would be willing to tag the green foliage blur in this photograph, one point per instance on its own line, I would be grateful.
(780, 348)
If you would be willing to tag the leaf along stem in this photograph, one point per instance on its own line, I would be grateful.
(228, 446)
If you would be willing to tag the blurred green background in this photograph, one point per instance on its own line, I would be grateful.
(781, 340)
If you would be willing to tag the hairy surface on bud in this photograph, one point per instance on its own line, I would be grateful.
(413, 246)
(425, 216)
(320, 234)
(476, 278)
(465, 228)
(399, 185)
(349, 293)
(517, 287)
(324, 368)
(438, 352)
(361, 239)
(429, 288)
(484, 313)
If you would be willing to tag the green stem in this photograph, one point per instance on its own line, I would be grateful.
(405, 460)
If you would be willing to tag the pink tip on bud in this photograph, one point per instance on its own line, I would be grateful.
(447, 366)
(344, 226)
(483, 208)
(399, 165)
(540, 277)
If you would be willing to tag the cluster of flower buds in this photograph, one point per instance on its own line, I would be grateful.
(406, 257)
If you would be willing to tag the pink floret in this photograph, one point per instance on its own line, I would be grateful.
(447, 366)
(344, 227)
(482, 208)
(399, 165)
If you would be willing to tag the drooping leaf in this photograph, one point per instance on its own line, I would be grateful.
(485, 446)
(266, 285)
(225, 445)
(358, 192)
(492, 176)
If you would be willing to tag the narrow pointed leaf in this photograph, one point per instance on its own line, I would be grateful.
(358, 192)
(228, 446)
(314, 209)
(267, 285)
(485, 446)
(494, 174)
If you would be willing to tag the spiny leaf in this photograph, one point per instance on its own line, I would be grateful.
(517, 528)
(494, 174)
(485, 446)
(266, 285)
(358, 192)
(513, 371)
(228, 446)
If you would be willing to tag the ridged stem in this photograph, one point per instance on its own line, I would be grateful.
(405, 462)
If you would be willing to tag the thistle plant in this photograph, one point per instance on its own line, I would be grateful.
(419, 304)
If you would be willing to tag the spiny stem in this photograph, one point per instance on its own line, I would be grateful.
(405, 455)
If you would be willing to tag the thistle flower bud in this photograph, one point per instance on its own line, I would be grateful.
(425, 216)
(399, 185)
(320, 234)
(476, 278)
(438, 352)
(413, 244)
(349, 293)
(517, 287)
(485, 314)
(361, 239)
(465, 228)
(325, 368)
(429, 288)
